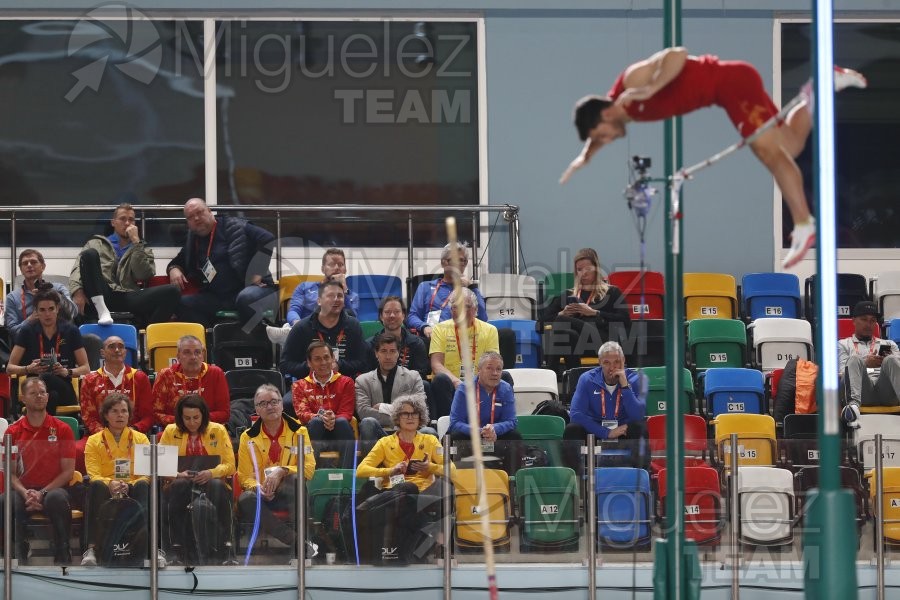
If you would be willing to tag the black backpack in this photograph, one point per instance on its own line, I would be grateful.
(204, 534)
(123, 533)
(552, 407)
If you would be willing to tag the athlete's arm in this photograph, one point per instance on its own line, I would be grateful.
(590, 148)
(643, 79)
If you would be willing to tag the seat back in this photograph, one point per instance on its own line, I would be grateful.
(703, 508)
(717, 343)
(851, 288)
(162, 341)
(889, 504)
(508, 296)
(645, 345)
(325, 485)
(370, 328)
(774, 295)
(800, 444)
(886, 293)
(807, 479)
(776, 341)
(235, 348)
(242, 383)
(657, 395)
(468, 522)
(556, 283)
(287, 284)
(623, 506)
(372, 289)
(864, 440)
(72, 422)
(710, 296)
(695, 442)
(548, 502)
(756, 439)
(533, 386)
(730, 390)
(766, 498)
(846, 328)
(443, 424)
(540, 427)
(635, 284)
(128, 333)
(892, 330)
(528, 342)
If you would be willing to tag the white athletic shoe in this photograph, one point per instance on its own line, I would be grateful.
(278, 335)
(802, 239)
(161, 559)
(89, 558)
(844, 78)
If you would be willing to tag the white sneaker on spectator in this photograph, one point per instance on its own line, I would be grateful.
(278, 335)
(89, 558)
(802, 239)
(161, 559)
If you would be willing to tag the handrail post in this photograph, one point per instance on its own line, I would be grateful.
(301, 519)
(735, 522)
(879, 519)
(591, 519)
(154, 519)
(446, 497)
(7, 517)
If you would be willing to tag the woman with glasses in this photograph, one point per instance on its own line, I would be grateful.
(51, 348)
(195, 435)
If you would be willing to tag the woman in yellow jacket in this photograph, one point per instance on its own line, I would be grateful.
(109, 458)
(195, 435)
(267, 464)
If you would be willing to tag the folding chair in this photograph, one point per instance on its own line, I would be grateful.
(863, 440)
(634, 284)
(242, 383)
(710, 296)
(286, 286)
(851, 288)
(704, 512)
(508, 296)
(468, 533)
(234, 348)
(696, 445)
(756, 440)
(800, 447)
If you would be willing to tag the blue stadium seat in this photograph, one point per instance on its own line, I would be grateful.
(528, 342)
(128, 333)
(770, 295)
(623, 507)
(372, 289)
(730, 390)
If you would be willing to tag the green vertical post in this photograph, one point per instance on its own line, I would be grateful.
(829, 557)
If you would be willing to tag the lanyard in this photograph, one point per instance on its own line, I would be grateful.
(212, 234)
(340, 338)
(603, 402)
(493, 403)
(41, 343)
(106, 444)
(459, 346)
(871, 346)
(577, 292)
(186, 389)
(434, 293)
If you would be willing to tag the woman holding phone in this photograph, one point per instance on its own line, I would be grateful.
(580, 317)
(197, 436)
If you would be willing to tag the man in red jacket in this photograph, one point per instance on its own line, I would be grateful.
(191, 375)
(324, 402)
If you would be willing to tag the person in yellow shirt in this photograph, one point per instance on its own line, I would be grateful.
(267, 464)
(109, 458)
(196, 435)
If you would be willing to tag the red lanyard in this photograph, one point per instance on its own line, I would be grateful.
(493, 403)
(195, 446)
(106, 444)
(856, 347)
(340, 338)
(590, 298)
(603, 403)
(459, 346)
(41, 342)
(434, 293)
(187, 389)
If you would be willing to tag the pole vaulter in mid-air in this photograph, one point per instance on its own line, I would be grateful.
(672, 83)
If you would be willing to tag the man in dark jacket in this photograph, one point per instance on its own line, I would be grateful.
(229, 259)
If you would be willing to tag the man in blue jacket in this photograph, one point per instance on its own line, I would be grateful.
(607, 402)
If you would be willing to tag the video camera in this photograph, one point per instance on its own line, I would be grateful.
(639, 193)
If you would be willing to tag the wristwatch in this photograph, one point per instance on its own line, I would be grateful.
(43, 492)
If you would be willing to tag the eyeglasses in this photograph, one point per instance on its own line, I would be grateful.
(268, 403)
(409, 415)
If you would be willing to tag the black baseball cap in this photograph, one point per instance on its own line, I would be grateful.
(865, 307)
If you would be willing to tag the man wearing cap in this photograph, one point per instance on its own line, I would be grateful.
(869, 365)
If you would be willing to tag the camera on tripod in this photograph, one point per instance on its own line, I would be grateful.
(639, 193)
(641, 164)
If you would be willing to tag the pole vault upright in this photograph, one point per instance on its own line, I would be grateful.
(829, 542)
(676, 563)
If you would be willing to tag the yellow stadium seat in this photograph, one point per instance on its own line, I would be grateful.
(890, 502)
(756, 439)
(880, 410)
(468, 522)
(162, 341)
(710, 296)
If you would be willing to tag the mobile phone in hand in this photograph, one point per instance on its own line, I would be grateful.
(884, 350)
(573, 300)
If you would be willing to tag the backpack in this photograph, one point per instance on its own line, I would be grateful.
(552, 407)
(123, 533)
(331, 534)
(203, 534)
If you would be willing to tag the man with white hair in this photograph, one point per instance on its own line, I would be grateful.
(446, 357)
(606, 401)
(431, 303)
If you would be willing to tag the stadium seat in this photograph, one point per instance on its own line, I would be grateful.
(634, 284)
(545, 433)
(888, 507)
(556, 283)
(756, 440)
(710, 296)
(729, 390)
(370, 328)
(716, 343)
(766, 499)
(286, 286)
(696, 446)
(623, 508)
(549, 508)
(645, 346)
(892, 330)
(863, 440)
(886, 294)
(327, 484)
(800, 446)
(443, 424)
(468, 532)
(776, 341)
(851, 288)
(528, 342)
(72, 422)
(508, 296)
(372, 289)
(243, 383)
(846, 328)
(233, 348)
(657, 395)
(128, 333)
(412, 284)
(704, 513)
(570, 379)
(162, 341)
(533, 386)
(807, 479)
(770, 295)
